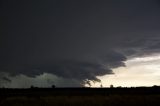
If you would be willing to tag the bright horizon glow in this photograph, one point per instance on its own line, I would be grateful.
(139, 71)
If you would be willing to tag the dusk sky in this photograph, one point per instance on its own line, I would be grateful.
(73, 43)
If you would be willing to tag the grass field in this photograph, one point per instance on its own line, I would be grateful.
(110, 99)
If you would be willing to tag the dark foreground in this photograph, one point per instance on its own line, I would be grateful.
(80, 97)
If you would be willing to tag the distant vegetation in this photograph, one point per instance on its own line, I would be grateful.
(110, 100)
(34, 96)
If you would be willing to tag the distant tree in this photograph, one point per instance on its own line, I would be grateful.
(119, 87)
(155, 86)
(32, 87)
(101, 86)
(53, 86)
(111, 86)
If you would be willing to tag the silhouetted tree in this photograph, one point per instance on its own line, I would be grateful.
(32, 87)
(111, 86)
(53, 86)
(101, 86)
(119, 87)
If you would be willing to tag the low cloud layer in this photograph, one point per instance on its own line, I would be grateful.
(80, 71)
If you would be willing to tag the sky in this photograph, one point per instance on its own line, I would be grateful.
(75, 43)
(139, 71)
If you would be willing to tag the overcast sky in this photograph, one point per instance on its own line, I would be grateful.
(71, 42)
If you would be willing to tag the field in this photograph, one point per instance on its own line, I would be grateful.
(80, 97)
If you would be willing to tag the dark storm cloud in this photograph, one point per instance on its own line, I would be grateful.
(113, 59)
(80, 71)
(77, 70)
(141, 45)
(76, 39)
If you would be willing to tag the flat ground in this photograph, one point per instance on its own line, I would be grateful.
(80, 97)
